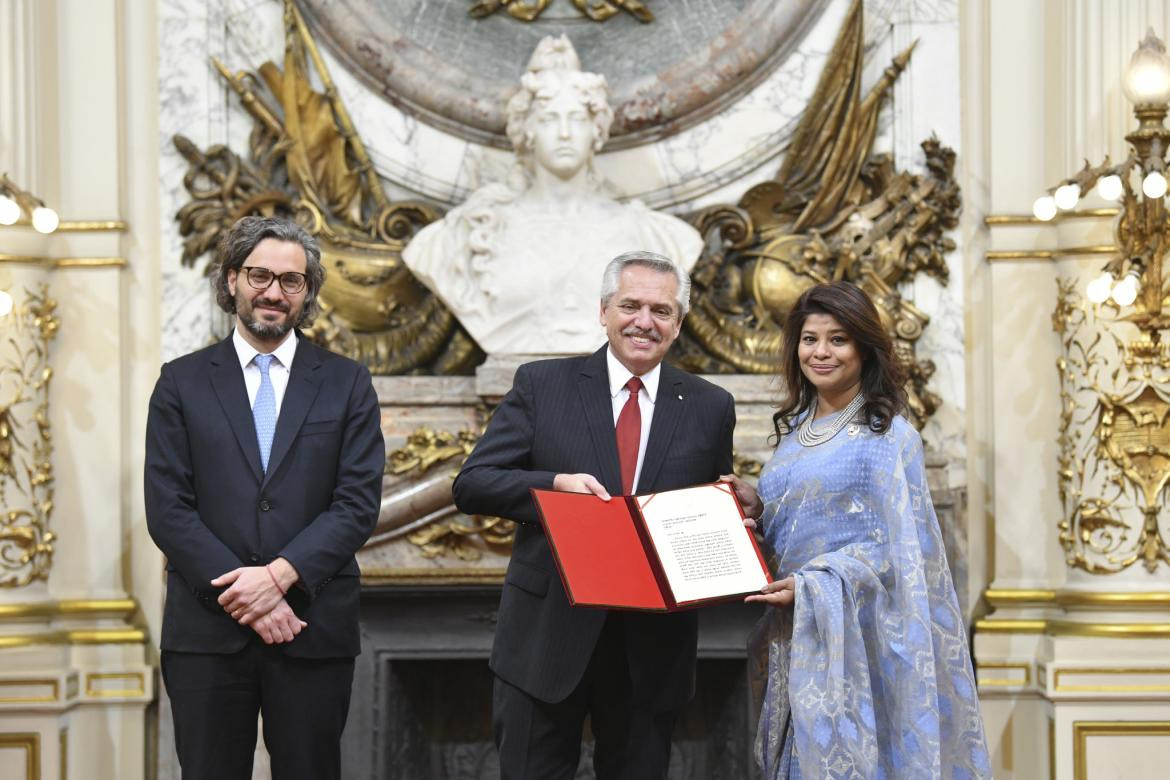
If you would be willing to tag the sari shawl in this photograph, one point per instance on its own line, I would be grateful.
(868, 674)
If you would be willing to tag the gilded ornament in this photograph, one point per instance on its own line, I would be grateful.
(1114, 440)
(26, 445)
(307, 162)
(530, 10)
(834, 211)
(417, 506)
(425, 448)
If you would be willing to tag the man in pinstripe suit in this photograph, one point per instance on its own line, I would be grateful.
(554, 663)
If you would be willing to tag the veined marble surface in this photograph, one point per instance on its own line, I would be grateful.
(715, 161)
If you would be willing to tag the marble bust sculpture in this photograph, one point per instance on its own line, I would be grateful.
(520, 263)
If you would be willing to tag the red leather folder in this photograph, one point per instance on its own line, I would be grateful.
(606, 556)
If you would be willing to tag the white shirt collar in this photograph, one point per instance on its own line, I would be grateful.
(619, 375)
(284, 352)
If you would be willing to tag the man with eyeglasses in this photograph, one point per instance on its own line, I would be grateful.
(263, 474)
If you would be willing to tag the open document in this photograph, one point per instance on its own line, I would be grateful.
(660, 551)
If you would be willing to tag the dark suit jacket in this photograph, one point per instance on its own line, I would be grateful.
(558, 418)
(211, 509)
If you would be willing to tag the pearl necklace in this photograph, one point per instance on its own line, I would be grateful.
(809, 437)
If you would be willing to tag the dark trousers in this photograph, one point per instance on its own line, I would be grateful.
(537, 740)
(215, 700)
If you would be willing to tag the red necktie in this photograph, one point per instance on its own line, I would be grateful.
(629, 434)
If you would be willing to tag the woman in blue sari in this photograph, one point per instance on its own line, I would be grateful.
(863, 668)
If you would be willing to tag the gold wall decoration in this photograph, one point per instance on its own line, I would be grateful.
(306, 161)
(1114, 438)
(1114, 434)
(419, 506)
(530, 10)
(26, 444)
(425, 448)
(834, 211)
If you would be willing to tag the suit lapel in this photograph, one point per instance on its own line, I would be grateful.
(668, 408)
(227, 380)
(304, 381)
(593, 387)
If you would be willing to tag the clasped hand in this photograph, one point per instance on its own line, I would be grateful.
(253, 599)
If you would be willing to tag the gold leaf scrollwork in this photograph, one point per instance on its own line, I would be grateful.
(530, 10)
(834, 211)
(455, 537)
(26, 444)
(308, 163)
(1114, 441)
(462, 537)
(426, 448)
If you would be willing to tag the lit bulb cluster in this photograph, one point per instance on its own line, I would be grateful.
(1109, 187)
(15, 202)
(1104, 287)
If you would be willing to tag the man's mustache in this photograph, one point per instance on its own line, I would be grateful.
(270, 304)
(633, 330)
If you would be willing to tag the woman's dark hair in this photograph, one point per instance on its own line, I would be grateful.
(881, 373)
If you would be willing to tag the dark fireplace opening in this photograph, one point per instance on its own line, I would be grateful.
(438, 723)
(422, 693)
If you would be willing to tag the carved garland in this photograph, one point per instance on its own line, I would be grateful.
(26, 444)
(1114, 440)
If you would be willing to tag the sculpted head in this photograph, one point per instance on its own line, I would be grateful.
(561, 115)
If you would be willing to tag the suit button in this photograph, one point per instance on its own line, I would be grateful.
(255, 558)
(264, 505)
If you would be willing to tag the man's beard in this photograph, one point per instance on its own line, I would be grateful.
(246, 311)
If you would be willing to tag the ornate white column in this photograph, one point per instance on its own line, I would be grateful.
(1071, 657)
(75, 664)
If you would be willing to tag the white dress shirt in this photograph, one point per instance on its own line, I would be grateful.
(619, 375)
(277, 370)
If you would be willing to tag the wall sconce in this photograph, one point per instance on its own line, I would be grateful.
(1136, 276)
(15, 203)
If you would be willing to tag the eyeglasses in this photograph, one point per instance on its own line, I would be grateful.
(292, 282)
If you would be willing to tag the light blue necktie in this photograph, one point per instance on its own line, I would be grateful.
(264, 410)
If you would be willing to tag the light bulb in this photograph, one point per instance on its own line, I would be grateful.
(1044, 208)
(1109, 187)
(1067, 195)
(1098, 290)
(1154, 185)
(1125, 292)
(5, 303)
(44, 219)
(9, 210)
(1147, 78)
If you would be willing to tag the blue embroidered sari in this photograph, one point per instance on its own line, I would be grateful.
(868, 675)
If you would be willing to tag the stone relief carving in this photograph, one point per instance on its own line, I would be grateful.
(456, 73)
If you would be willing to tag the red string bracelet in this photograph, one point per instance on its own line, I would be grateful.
(283, 592)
